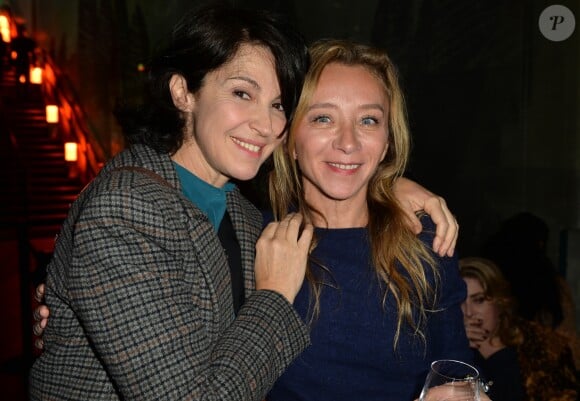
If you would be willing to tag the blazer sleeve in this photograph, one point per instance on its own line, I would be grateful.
(145, 313)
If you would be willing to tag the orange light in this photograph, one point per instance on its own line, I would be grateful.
(22, 79)
(5, 33)
(52, 113)
(48, 75)
(13, 54)
(36, 75)
(4, 29)
(70, 151)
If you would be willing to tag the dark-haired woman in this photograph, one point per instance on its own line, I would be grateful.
(139, 288)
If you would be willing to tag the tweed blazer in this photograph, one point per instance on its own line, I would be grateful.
(140, 296)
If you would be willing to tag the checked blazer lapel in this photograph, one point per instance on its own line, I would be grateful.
(247, 222)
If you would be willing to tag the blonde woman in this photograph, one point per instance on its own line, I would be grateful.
(381, 304)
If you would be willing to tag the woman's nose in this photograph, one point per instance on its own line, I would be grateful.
(262, 122)
(347, 139)
(466, 309)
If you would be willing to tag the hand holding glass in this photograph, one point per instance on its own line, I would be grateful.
(451, 380)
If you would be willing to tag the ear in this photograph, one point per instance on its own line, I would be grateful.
(182, 98)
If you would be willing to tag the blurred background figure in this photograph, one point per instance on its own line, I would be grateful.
(518, 248)
(521, 359)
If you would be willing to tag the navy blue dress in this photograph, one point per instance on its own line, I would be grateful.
(352, 356)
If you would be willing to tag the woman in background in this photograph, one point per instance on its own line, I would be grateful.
(522, 360)
(519, 248)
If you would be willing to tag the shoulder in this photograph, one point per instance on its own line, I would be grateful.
(137, 184)
(129, 201)
(139, 169)
(144, 158)
(427, 234)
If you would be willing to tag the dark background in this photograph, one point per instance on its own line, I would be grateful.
(493, 104)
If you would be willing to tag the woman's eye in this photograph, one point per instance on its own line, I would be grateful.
(278, 106)
(321, 119)
(479, 300)
(242, 95)
(369, 121)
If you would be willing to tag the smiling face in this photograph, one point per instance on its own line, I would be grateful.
(342, 137)
(235, 121)
(480, 307)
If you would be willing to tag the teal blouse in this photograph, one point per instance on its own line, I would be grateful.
(209, 199)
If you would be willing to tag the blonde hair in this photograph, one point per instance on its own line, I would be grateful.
(496, 289)
(391, 238)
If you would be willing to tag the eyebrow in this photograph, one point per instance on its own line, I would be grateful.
(478, 294)
(249, 80)
(372, 106)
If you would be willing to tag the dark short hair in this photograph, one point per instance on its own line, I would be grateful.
(201, 42)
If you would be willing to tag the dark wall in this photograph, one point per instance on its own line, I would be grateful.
(494, 110)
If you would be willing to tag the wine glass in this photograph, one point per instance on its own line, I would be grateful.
(451, 380)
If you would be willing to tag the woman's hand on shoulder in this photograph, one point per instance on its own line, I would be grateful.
(413, 198)
(282, 254)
